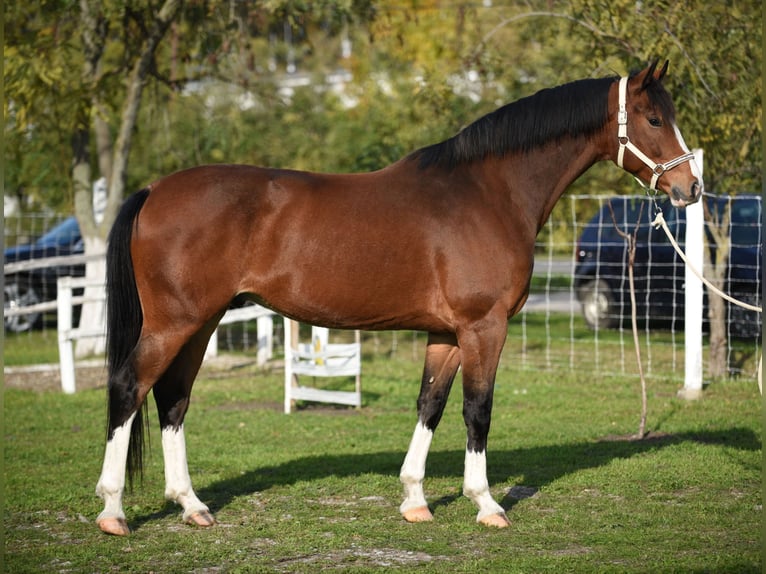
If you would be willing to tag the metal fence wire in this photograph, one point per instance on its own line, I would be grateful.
(590, 252)
(580, 261)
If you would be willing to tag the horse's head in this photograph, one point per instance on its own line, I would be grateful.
(650, 145)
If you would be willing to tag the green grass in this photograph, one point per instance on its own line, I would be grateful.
(33, 348)
(319, 489)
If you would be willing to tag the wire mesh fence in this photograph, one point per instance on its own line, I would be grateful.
(578, 313)
(586, 323)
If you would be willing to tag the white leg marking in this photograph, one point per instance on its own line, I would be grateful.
(178, 485)
(414, 468)
(111, 484)
(475, 485)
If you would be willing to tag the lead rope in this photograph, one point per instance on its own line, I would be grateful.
(659, 221)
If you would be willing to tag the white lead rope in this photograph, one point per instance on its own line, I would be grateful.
(659, 221)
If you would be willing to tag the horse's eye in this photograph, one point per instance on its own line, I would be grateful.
(655, 122)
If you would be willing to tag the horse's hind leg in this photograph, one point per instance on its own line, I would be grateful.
(441, 364)
(111, 483)
(171, 393)
(155, 353)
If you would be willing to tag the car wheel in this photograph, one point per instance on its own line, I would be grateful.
(598, 304)
(20, 295)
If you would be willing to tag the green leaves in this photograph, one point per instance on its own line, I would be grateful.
(419, 70)
(715, 63)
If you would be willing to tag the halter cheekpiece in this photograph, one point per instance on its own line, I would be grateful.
(622, 136)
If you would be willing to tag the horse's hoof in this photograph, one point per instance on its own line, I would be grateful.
(420, 514)
(499, 520)
(114, 526)
(203, 519)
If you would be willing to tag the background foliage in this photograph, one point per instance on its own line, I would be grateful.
(418, 72)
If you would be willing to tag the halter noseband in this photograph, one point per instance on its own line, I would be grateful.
(622, 136)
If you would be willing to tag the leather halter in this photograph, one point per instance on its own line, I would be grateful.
(622, 136)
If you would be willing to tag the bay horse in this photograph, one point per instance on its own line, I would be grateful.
(441, 241)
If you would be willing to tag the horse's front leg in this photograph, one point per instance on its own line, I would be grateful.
(111, 483)
(441, 364)
(480, 348)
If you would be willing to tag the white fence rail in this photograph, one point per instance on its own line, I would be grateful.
(68, 334)
(47, 262)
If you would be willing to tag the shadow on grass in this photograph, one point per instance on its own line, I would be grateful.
(541, 466)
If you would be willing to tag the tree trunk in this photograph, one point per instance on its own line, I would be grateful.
(716, 266)
(719, 348)
(113, 159)
(92, 313)
(94, 32)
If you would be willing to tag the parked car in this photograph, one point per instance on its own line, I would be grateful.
(601, 273)
(28, 287)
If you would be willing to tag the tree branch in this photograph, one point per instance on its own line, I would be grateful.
(689, 59)
(169, 11)
(544, 14)
(631, 239)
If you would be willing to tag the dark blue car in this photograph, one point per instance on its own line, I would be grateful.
(24, 288)
(601, 274)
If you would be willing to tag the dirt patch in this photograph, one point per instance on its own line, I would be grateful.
(47, 378)
(92, 374)
(360, 557)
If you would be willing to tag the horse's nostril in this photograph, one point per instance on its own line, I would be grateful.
(695, 191)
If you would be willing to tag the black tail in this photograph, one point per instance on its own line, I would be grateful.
(124, 320)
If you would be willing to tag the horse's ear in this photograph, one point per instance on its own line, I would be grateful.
(661, 74)
(649, 74)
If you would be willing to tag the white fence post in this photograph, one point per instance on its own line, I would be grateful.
(264, 326)
(64, 318)
(212, 347)
(265, 329)
(693, 308)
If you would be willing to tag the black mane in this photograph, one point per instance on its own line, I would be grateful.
(574, 109)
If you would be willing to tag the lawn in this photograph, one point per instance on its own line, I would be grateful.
(319, 490)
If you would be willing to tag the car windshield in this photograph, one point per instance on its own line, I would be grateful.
(65, 233)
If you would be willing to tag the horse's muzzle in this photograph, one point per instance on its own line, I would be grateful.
(682, 198)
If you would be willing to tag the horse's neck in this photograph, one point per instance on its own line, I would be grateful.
(539, 178)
